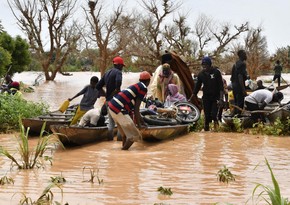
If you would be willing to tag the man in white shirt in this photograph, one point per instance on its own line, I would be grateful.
(258, 100)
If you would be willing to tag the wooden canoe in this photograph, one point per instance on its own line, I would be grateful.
(52, 118)
(282, 113)
(245, 119)
(157, 133)
(76, 136)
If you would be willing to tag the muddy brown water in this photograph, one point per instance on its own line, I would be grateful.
(187, 164)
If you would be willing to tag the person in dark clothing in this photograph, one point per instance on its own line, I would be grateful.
(90, 96)
(260, 85)
(112, 80)
(212, 82)
(238, 77)
(278, 71)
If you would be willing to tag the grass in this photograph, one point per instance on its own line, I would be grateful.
(6, 180)
(93, 175)
(31, 157)
(270, 195)
(46, 198)
(165, 191)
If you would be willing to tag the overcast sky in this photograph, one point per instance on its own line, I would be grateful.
(272, 15)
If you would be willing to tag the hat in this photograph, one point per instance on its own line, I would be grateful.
(15, 84)
(166, 58)
(206, 61)
(118, 61)
(145, 75)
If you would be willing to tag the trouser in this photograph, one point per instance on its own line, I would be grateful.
(277, 76)
(255, 116)
(126, 126)
(210, 111)
(111, 125)
(78, 115)
(239, 101)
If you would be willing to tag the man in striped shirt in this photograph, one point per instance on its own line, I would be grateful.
(126, 103)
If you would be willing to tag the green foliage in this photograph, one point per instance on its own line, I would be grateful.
(6, 180)
(165, 191)
(277, 128)
(5, 60)
(198, 126)
(58, 180)
(225, 175)
(29, 158)
(93, 175)
(20, 56)
(46, 197)
(13, 107)
(274, 195)
(18, 50)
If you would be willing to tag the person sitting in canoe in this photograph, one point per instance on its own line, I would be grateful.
(258, 100)
(126, 102)
(173, 95)
(94, 117)
(90, 95)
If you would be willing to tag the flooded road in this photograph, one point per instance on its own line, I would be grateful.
(187, 164)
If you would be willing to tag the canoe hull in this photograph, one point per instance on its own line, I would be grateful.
(246, 121)
(156, 133)
(35, 124)
(76, 136)
(281, 113)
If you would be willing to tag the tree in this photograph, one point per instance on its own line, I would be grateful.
(256, 47)
(38, 18)
(5, 60)
(106, 31)
(18, 49)
(1, 27)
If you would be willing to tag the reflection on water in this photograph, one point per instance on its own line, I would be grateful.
(188, 164)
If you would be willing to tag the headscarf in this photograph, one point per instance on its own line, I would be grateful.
(174, 94)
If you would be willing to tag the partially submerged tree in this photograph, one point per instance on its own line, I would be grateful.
(106, 32)
(41, 18)
(256, 47)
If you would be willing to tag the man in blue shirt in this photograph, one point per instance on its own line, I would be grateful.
(112, 79)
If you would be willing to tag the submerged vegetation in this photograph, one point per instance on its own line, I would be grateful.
(165, 191)
(225, 175)
(13, 107)
(29, 157)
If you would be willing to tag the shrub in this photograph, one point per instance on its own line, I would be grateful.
(13, 107)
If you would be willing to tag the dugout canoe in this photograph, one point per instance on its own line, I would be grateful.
(283, 113)
(77, 136)
(158, 133)
(52, 118)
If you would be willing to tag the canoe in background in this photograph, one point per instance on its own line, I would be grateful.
(52, 118)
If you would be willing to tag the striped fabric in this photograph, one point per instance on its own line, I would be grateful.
(125, 100)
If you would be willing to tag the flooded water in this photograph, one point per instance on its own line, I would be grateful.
(187, 164)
